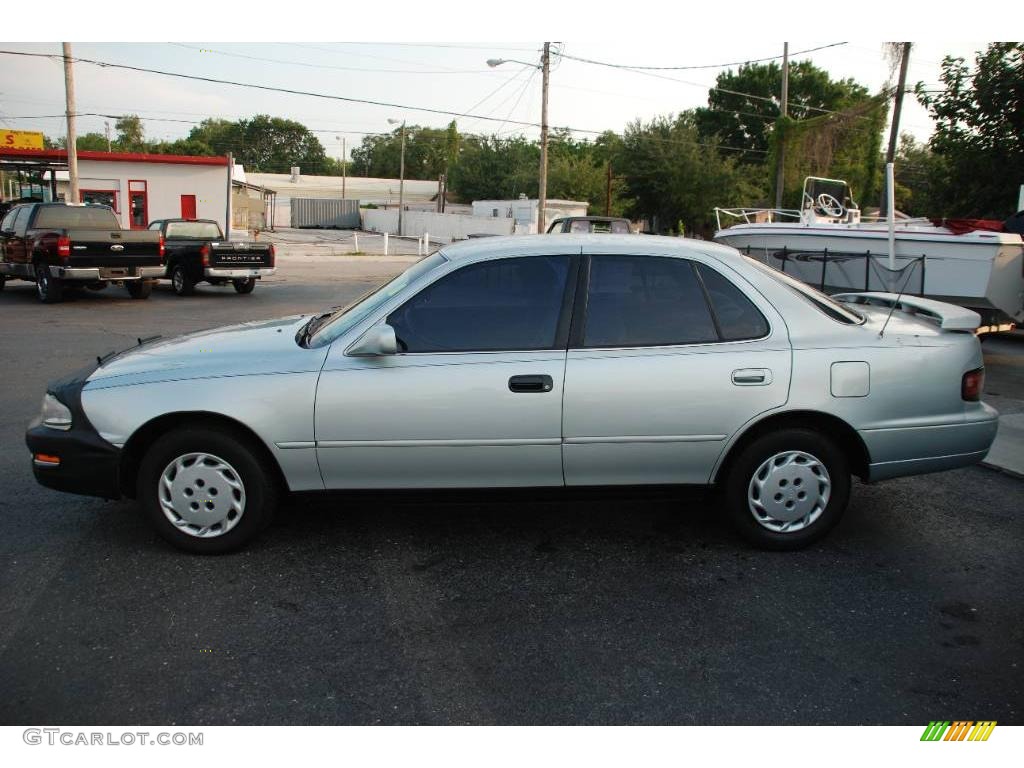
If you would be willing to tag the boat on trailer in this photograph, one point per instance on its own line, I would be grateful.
(830, 245)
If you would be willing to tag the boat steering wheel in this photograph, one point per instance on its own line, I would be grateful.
(828, 205)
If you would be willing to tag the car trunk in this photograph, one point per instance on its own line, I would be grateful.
(241, 255)
(102, 248)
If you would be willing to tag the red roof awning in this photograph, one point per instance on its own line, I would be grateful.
(61, 155)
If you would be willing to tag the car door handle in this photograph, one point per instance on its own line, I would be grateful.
(751, 377)
(530, 383)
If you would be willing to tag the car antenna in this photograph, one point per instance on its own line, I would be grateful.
(900, 295)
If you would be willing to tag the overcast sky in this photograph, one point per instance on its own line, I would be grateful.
(451, 77)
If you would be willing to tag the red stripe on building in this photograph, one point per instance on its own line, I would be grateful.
(117, 157)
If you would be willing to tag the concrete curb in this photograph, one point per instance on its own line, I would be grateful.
(1003, 470)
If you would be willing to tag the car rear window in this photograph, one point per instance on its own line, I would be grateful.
(75, 217)
(824, 304)
(200, 230)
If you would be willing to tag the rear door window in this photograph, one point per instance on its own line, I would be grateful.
(645, 301)
(737, 316)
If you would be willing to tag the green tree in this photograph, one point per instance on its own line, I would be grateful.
(131, 137)
(670, 175)
(492, 167)
(429, 152)
(578, 170)
(979, 133)
(744, 105)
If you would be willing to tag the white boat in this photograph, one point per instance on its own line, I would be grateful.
(828, 244)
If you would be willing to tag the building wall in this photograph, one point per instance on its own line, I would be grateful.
(524, 211)
(165, 184)
(443, 227)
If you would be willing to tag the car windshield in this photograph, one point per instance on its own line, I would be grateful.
(200, 230)
(334, 325)
(75, 217)
(839, 312)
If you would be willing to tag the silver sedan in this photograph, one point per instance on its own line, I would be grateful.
(558, 360)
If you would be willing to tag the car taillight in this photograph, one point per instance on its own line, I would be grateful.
(972, 384)
(273, 254)
(204, 252)
(163, 249)
(64, 247)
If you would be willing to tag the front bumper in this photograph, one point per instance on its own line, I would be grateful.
(88, 465)
(239, 273)
(107, 273)
(917, 450)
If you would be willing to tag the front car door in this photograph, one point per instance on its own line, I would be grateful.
(474, 396)
(669, 358)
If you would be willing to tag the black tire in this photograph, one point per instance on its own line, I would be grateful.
(258, 480)
(181, 281)
(244, 286)
(140, 289)
(799, 443)
(3, 281)
(49, 289)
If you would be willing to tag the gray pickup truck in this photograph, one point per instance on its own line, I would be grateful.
(58, 246)
(198, 252)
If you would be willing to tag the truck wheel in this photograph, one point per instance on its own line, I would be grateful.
(206, 490)
(3, 281)
(244, 286)
(49, 289)
(787, 489)
(182, 284)
(140, 289)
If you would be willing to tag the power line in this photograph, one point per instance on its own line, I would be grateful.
(697, 66)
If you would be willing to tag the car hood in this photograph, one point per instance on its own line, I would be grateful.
(246, 349)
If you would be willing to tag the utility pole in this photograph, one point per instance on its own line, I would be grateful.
(106, 132)
(894, 130)
(608, 191)
(401, 182)
(542, 197)
(780, 142)
(69, 93)
(344, 162)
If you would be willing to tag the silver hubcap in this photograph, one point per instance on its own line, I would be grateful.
(789, 491)
(42, 282)
(202, 495)
(178, 279)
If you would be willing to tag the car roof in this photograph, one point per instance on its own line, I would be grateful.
(569, 243)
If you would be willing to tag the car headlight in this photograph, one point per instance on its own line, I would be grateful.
(55, 414)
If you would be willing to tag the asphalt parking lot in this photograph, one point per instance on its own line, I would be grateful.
(504, 608)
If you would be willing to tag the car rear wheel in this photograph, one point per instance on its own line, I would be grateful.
(245, 286)
(787, 489)
(206, 490)
(182, 284)
(49, 289)
(140, 289)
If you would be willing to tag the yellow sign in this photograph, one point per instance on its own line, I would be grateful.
(20, 139)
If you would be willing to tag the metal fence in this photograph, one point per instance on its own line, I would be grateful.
(324, 213)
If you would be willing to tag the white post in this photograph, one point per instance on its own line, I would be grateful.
(890, 192)
(385, 243)
(1020, 199)
(355, 241)
(426, 243)
(419, 246)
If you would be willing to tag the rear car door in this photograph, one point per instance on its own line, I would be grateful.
(668, 359)
(474, 396)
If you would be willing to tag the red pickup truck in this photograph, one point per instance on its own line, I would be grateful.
(57, 246)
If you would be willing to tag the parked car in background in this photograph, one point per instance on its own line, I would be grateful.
(60, 246)
(552, 360)
(591, 224)
(198, 252)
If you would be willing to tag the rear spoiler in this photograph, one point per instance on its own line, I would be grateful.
(949, 317)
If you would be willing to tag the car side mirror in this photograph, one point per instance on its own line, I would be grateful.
(378, 340)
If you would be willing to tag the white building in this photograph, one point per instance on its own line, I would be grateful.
(524, 211)
(139, 187)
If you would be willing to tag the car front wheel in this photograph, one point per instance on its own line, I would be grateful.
(49, 289)
(787, 489)
(206, 491)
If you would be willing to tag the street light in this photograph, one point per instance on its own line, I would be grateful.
(545, 68)
(401, 175)
(343, 161)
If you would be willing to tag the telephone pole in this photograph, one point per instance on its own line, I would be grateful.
(542, 197)
(69, 93)
(894, 130)
(344, 162)
(780, 146)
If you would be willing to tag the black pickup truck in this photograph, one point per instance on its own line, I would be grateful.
(59, 246)
(197, 252)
